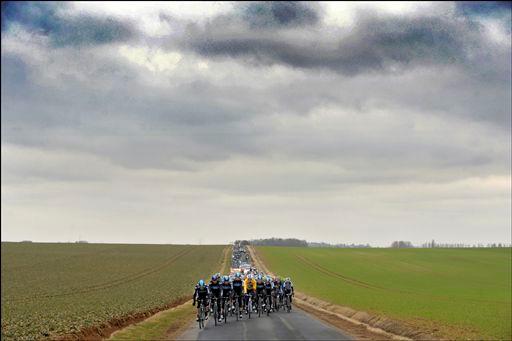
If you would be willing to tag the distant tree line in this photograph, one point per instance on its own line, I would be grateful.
(434, 244)
(279, 242)
(299, 242)
(398, 244)
(401, 244)
(353, 246)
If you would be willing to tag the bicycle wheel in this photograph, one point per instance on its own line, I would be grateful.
(199, 314)
(249, 307)
(203, 314)
(225, 314)
(237, 309)
(215, 312)
(259, 306)
(268, 306)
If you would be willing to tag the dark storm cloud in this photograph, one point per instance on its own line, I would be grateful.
(377, 43)
(484, 8)
(84, 29)
(279, 13)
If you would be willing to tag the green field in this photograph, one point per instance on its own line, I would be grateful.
(463, 293)
(55, 289)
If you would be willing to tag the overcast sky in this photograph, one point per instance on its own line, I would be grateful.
(210, 122)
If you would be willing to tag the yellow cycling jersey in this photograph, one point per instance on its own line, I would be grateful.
(249, 285)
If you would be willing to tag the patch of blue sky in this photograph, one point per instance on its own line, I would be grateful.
(44, 18)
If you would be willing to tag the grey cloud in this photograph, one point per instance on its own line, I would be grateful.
(114, 113)
(279, 13)
(377, 43)
(87, 30)
(274, 145)
(97, 103)
(117, 115)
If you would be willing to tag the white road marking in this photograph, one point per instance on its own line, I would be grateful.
(288, 325)
(245, 330)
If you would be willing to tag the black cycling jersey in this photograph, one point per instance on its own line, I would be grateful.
(277, 285)
(238, 285)
(226, 288)
(215, 288)
(201, 293)
(260, 287)
(288, 286)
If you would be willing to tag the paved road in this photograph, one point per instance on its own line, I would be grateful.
(296, 325)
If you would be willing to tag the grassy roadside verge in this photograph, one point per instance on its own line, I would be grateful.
(226, 261)
(161, 326)
(168, 324)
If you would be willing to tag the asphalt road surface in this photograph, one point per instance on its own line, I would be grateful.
(296, 325)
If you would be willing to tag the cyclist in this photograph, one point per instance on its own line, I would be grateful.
(215, 291)
(260, 289)
(288, 288)
(278, 290)
(226, 289)
(201, 293)
(249, 290)
(269, 287)
(237, 290)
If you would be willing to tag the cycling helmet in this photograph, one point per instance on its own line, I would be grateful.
(287, 279)
(214, 278)
(259, 277)
(225, 278)
(237, 275)
(201, 283)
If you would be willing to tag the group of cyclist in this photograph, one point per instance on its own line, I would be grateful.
(241, 287)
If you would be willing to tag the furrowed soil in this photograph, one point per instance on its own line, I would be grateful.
(417, 293)
(86, 291)
(167, 324)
